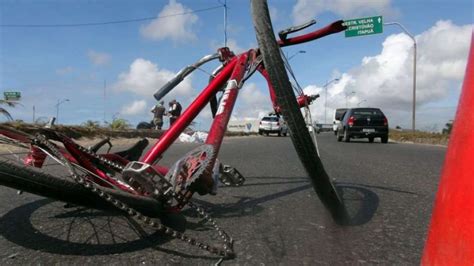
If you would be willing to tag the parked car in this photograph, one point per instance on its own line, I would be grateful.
(363, 123)
(337, 118)
(323, 127)
(273, 124)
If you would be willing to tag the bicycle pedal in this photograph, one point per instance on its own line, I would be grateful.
(231, 176)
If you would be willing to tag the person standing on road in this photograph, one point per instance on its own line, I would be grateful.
(158, 112)
(174, 111)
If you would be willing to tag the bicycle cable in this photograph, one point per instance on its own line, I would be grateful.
(308, 117)
(296, 86)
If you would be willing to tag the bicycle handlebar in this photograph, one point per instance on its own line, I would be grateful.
(159, 94)
(332, 28)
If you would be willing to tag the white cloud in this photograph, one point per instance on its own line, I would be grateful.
(176, 28)
(145, 78)
(273, 13)
(64, 70)
(385, 80)
(234, 46)
(98, 58)
(134, 108)
(305, 10)
(231, 43)
(252, 103)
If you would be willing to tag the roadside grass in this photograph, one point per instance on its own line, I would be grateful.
(91, 132)
(85, 131)
(419, 137)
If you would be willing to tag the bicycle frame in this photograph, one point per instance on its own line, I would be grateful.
(232, 75)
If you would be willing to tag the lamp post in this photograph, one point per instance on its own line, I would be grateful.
(57, 108)
(326, 96)
(361, 102)
(414, 69)
(348, 94)
(295, 54)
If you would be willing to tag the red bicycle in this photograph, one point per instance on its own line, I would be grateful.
(142, 188)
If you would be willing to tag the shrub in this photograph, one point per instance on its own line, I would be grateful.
(119, 124)
(89, 124)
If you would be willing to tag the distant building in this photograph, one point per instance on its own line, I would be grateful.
(247, 125)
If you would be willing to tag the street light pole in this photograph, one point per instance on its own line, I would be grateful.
(358, 105)
(414, 69)
(347, 95)
(57, 108)
(326, 96)
(295, 54)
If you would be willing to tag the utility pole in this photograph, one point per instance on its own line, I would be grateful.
(34, 111)
(414, 70)
(105, 100)
(225, 23)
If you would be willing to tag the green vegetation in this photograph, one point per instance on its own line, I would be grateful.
(119, 124)
(4, 111)
(92, 125)
(85, 131)
(419, 137)
(448, 127)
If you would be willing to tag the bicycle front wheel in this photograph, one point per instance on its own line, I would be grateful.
(290, 110)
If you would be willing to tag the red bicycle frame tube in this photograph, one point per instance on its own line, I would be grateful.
(84, 161)
(332, 28)
(219, 125)
(302, 100)
(189, 114)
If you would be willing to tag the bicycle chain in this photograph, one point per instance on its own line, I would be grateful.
(226, 252)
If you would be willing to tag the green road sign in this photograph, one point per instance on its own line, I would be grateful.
(12, 95)
(364, 26)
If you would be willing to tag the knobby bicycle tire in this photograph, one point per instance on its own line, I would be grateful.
(29, 180)
(290, 110)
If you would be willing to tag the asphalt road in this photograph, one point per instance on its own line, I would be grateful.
(275, 218)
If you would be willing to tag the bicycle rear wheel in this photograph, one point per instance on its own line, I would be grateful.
(290, 110)
(53, 181)
(50, 186)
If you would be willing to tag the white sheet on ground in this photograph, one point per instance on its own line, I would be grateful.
(196, 137)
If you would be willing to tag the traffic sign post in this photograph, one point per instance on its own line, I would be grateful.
(12, 95)
(363, 26)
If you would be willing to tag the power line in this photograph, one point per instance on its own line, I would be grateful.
(105, 22)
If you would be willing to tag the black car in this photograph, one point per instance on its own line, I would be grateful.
(363, 123)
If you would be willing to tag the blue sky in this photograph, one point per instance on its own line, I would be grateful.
(48, 64)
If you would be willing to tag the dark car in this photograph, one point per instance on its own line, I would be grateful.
(363, 123)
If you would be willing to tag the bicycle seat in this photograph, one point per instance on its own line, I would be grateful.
(133, 153)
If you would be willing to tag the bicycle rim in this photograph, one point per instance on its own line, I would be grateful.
(286, 99)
